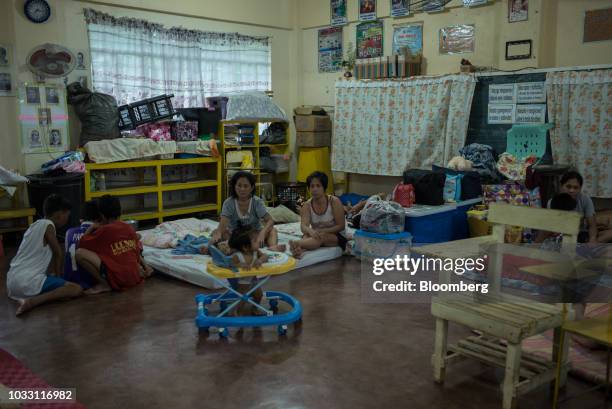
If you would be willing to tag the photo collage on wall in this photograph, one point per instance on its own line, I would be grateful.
(44, 118)
(7, 85)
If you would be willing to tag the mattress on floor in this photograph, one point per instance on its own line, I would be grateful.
(192, 268)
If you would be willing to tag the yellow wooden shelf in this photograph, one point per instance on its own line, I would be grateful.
(162, 209)
(255, 147)
(17, 213)
(124, 191)
(189, 185)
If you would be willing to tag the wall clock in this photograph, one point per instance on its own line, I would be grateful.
(37, 11)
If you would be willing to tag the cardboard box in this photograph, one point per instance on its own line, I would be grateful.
(312, 123)
(308, 110)
(313, 139)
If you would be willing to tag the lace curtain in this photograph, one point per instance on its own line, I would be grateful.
(380, 127)
(580, 106)
(135, 59)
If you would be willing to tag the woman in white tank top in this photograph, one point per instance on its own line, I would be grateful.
(322, 218)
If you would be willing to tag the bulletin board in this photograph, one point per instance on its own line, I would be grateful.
(43, 118)
(493, 132)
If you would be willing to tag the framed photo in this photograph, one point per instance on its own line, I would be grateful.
(518, 10)
(367, 10)
(338, 12)
(597, 25)
(55, 138)
(6, 84)
(5, 55)
(457, 39)
(82, 62)
(44, 116)
(518, 50)
(51, 95)
(35, 139)
(32, 95)
(399, 8)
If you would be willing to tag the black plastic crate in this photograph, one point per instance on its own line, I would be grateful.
(145, 111)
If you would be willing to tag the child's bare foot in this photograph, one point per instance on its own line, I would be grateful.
(98, 289)
(296, 250)
(204, 250)
(24, 306)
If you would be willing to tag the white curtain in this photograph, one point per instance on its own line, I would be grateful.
(580, 106)
(134, 59)
(381, 127)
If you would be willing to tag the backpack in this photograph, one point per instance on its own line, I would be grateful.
(471, 186)
(428, 186)
(404, 194)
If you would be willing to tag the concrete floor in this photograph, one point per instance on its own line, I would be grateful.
(141, 349)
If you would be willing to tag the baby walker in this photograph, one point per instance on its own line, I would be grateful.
(221, 269)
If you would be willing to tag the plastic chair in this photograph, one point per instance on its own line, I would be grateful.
(526, 140)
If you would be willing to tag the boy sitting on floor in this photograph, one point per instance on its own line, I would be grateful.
(110, 251)
(34, 274)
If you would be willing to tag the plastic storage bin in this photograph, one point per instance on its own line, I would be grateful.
(430, 224)
(374, 245)
(461, 228)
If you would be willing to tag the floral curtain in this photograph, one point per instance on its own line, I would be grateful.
(381, 127)
(135, 59)
(580, 106)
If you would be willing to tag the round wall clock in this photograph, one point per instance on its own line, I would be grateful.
(37, 11)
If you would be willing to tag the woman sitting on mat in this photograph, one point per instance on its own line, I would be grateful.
(249, 210)
(322, 218)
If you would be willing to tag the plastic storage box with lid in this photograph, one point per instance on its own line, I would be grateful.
(374, 245)
(430, 224)
(461, 228)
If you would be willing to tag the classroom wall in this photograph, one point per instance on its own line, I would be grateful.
(554, 26)
(275, 18)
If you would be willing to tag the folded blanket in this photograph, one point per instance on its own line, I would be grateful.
(190, 244)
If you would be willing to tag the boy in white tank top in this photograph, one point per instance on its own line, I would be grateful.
(34, 276)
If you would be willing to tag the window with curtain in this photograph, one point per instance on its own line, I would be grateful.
(134, 59)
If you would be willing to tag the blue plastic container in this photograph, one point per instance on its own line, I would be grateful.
(430, 224)
(352, 198)
(461, 229)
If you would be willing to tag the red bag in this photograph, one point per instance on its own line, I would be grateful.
(404, 194)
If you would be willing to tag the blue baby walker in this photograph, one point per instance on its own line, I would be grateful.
(221, 270)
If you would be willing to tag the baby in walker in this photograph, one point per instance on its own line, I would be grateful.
(246, 255)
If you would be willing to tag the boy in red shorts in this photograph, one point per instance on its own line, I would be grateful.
(111, 251)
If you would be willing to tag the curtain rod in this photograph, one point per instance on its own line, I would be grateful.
(173, 13)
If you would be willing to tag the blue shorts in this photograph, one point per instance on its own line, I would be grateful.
(52, 283)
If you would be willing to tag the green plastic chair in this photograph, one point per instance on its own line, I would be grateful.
(526, 139)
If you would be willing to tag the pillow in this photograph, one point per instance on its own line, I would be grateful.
(282, 214)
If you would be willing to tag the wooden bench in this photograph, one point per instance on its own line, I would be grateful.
(503, 319)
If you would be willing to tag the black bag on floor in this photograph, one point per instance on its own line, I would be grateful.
(428, 186)
(471, 187)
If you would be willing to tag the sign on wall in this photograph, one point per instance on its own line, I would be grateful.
(330, 49)
(367, 10)
(338, 12)
(409, 36)
(399, 8)
(457, 39)
(370, 39)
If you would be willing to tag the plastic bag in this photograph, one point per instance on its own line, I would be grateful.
(380, 216)
(98, 113)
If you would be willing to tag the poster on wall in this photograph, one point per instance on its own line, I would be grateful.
(518, 10)
(433, 6)
(43, 117)
(6, 84)
(399, 8)
(474, 3)
(457, 39)
(501, 113)
(597, 25)
(82, 63)
(367, 10)
(408, 36)
(502, 94)
(5, 55)
(338, 12)
(530, 92)
(530, 114)
(370, 39)
(330, 49)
